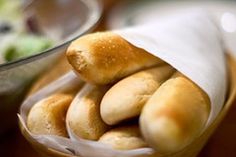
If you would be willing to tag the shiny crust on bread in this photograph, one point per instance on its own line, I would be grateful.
(83, 116)
(48, 115)
(126, 98)
(124, 138)
(175, 115)
(105, 57)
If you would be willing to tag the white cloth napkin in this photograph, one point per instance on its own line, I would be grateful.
(191, 43)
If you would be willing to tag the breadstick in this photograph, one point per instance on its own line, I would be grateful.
(48, 115)
(124, 138)
(83, 115)
(126, 98)
(175, 115)
(105, 57)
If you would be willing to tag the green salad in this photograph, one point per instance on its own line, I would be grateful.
(19, 36)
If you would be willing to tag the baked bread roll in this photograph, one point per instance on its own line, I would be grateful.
(105, 57)
(48, 115)
(83, 116)
(175, 115)
(126, 98)
(124, 138)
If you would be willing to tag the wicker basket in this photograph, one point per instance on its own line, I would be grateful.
(193, 149)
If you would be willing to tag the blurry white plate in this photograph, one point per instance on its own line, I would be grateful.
(139, 12)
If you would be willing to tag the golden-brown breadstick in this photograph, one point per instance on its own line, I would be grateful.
(175, 115)
(105, 57)
(48, 115)
(126, 98)
(83, 116)
(124, 138)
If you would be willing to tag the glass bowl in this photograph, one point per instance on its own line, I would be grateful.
(62, 20)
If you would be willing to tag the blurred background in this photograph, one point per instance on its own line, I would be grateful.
(61, 21)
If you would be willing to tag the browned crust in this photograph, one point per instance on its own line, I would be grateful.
(105, 57)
